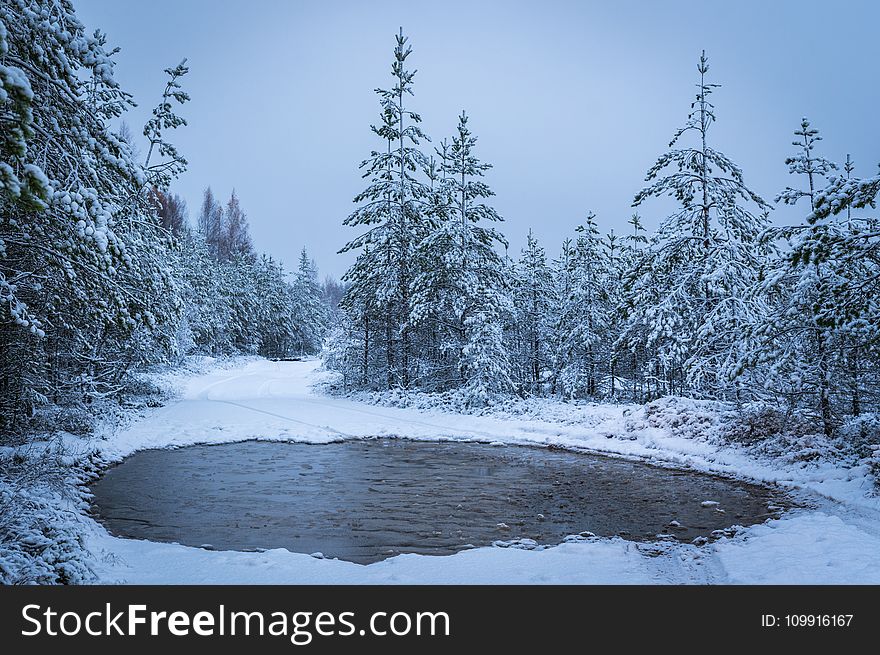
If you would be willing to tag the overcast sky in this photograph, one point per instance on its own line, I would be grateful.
(571, 101)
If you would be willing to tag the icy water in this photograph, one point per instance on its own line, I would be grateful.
(364, 501)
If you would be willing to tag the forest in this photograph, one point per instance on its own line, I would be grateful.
(102, 274)
(717, 303)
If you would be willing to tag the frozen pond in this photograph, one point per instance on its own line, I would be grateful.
(364, 501)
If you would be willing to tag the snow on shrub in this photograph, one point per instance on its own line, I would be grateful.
(684, 417)
(756, 423)
(41, 520)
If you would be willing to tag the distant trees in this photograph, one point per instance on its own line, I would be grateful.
(238, 301)
(210, 222)
(235, 237)
(225, 230)
(171, 211)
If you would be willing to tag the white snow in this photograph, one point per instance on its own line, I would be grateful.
(837, 541)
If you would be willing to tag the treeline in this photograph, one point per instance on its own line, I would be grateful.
(241, 302)
(99, 270)
(716, 303)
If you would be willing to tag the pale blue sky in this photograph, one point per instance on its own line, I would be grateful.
(571, 101)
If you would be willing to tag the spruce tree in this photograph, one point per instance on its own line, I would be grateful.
(310, 311)
(390, 209)
(532, 294)
(795, 343)
(462, 274)
(583, 313)
(685, 297)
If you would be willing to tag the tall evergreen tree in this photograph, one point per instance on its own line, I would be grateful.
(631, 338)
(462, 274)
(391, 210)
(795, 344)
(835, 259)
(583, 311)
(84, 286)
(685, 298)
(532, 294)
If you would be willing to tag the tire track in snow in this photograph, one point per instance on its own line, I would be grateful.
(202, 394)
(264, 390)
(400, 419)
(326, 428)
(393, 419)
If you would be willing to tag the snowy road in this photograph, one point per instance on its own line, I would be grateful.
(837, 543)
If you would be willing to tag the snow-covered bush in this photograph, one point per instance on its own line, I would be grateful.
(874, 465)
(41, 516)
(863, 432)
(73, 419)
(758, 422)
(684, 417)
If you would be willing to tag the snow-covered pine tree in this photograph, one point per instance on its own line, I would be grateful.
(564, 273)
(532, 282)
(855, 245)
(153, 248)
(462, 274)
(391, 210)
(582, 317)
(170, 162)
(239, 293)
(628, 347)
(686, 298)
(310, 312)
(843, 250)
(360, 309)
(793, 344)
(332, 291)
(433, 310)
(344, 351)
(206, 315)
(614, 268)
(485, 358)
(860, 320)
(275, 318)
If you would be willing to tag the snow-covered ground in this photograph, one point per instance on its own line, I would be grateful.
(836, 540)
